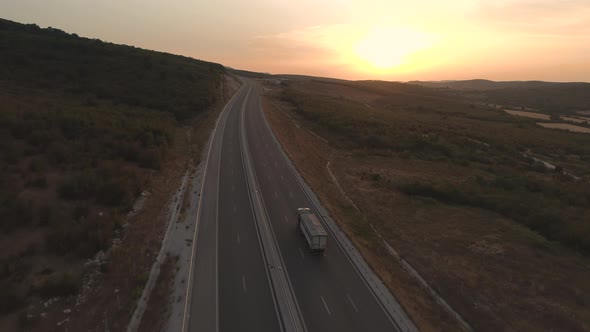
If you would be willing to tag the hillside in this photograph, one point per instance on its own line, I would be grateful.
(462, 190)
(480, 84)
(85, 126)
(548, 97)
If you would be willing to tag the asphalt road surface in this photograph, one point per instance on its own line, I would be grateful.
(230, 289)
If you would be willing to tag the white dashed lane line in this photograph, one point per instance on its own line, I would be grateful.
(326, 305)
(352, 303)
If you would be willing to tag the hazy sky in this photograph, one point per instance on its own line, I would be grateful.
(370, 39)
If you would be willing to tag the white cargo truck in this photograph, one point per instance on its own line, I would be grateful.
(310, 227)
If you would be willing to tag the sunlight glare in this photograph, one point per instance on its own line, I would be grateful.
(389, 47)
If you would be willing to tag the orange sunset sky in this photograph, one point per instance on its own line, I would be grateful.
(372, 39)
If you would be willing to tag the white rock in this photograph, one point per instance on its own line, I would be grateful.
(63, 322)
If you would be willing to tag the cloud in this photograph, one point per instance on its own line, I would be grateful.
(313, 45)
(567, 18)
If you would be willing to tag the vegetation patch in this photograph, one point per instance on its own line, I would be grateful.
(85, 126)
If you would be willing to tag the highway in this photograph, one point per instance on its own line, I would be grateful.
(241, 279)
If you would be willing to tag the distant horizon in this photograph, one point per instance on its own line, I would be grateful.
(302, 74)
(389, 40)
(402, 81)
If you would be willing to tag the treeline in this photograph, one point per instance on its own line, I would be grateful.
(55, 60)
(564, 98)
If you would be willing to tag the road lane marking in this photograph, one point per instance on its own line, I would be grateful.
(244, 283)
(301, 252)
(291, 194)
(351, 302)
(238, 238)
(286, 219)
(276, 195)
(326, 306)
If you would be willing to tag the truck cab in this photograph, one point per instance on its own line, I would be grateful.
(310, 227)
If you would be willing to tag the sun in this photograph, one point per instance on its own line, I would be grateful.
(387, 47)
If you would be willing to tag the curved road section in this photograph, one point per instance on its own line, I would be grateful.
(250, 270)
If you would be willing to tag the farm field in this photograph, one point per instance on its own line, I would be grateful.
(528, 114)
(565, 126)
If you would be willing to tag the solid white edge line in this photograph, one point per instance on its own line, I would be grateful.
(217, 236)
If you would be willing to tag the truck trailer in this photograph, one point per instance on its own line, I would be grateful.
(310, 227)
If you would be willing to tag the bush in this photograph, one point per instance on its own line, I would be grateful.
(46, 215)
(150, 159)
(39, 182)
(10, 298)
(81, 186)
(84, 238)
(58, 284)
(15, 212)
(114, 193)
(519, 198)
